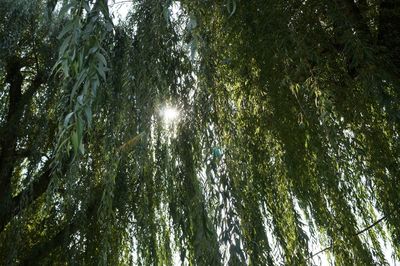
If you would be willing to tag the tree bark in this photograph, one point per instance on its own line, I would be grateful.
(31, 193)
(42, 250)
(8, 132)
(11, 130)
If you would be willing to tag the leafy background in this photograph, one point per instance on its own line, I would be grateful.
(286, 144)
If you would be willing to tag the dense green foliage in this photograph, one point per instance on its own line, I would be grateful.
(286, 143)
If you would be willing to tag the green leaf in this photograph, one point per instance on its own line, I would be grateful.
(82, 148)
(88, 115)
(93, 50)
(79, 128)
(67, 118)
(66, 29)
(80, 99)
(102, 59)
(109, 26)
(65, 68)
(75, 142)
(231, 6)
(101, 72)
(192, 22)
(64, 46)
(166, 14)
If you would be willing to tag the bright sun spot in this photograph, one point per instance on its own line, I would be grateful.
(169, 114)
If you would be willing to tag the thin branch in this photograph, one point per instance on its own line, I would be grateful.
(121, 2)
(371, 225)
(358, 233)
(321, 251)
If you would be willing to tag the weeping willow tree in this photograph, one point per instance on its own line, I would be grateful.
(285, 151)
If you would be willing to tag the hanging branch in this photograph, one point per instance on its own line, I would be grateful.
(358, 233)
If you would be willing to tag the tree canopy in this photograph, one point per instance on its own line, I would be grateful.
(286, 147)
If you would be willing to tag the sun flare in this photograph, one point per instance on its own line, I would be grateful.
(169, 114)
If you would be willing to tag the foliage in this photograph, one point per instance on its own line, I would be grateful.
(286, 143)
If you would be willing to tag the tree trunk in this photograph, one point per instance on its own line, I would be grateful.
(9, 130)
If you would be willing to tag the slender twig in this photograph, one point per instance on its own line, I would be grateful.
(358, 233)
(321, 251)
(121, 2)
(371, 225)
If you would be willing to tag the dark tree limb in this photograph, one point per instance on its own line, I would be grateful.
(43, 249)
(30, 194)
(9, 133)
